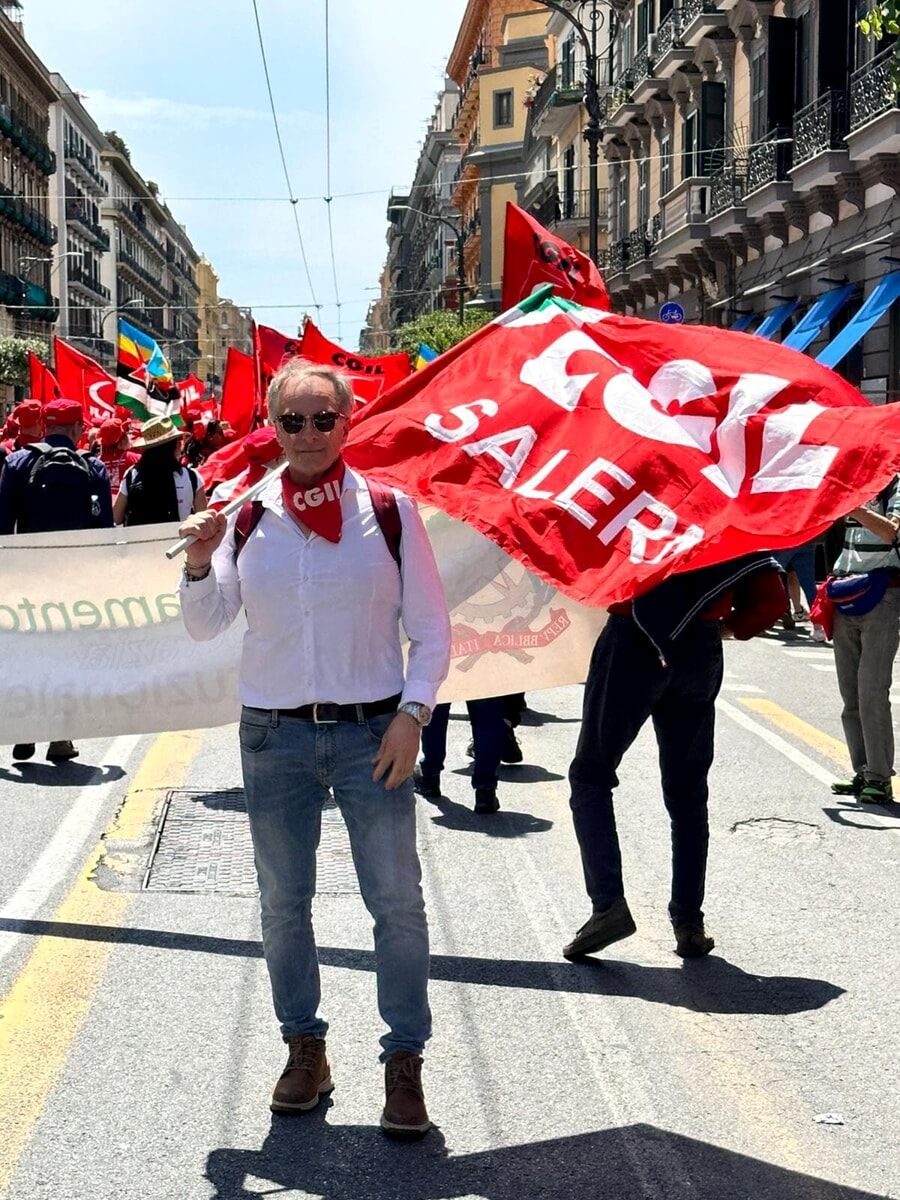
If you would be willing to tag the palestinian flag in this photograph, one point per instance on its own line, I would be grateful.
(144, 383)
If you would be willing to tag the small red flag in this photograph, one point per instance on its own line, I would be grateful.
(533, 255)
(238, 392)
(82, 379)
(41, 381)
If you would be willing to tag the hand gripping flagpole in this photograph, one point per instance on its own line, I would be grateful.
(232, 506)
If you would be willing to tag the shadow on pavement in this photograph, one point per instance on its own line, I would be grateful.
(503, 824)
(72, 774)
(308, 1156)
(709, 985)
(858, 816)
(517, 773)
(531, 716)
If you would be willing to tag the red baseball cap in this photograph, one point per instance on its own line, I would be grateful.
(28, 412)
(62, 412)
(261, 445)
(111, 431)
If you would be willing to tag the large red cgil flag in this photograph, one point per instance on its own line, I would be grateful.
(42, 383)
(607, 452)
(532, 255)
(369, 376)
(82, 379)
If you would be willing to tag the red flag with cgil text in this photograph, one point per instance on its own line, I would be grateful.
(82, 379)
(607, 452)
(369, 376)
(532, 255)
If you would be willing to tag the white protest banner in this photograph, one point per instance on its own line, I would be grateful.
(92, 643)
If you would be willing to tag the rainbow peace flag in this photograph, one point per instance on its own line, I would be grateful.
(144, 382)
(424, 355)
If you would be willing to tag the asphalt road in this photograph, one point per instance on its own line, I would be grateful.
(138, 1048)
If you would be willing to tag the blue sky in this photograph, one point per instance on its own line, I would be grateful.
(182, 82)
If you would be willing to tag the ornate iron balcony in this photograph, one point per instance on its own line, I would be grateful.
(821, 126)
(727, 187)
(642, 66)
(692, 9)
(617, 257)
(872, 90)
(769, 159)
(669, 33)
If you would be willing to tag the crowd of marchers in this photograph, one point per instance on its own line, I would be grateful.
(327, 567)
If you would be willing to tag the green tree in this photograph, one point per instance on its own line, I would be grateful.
(14, 358)
(883, 21)
(440, 330)
(118, 143)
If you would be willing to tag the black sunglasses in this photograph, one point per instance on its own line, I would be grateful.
(296, 422)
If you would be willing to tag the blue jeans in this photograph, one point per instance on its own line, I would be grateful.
(289, 766)
(489, 734)
(626, 684)
(803, 561)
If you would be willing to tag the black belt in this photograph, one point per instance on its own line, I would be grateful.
(329, 714)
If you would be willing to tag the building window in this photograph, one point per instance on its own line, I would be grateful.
(689, 147)
(643, 194)
(568, 188)
(623, 198)
(568, 78)
(665, 164)
(503, 108)
(758, 128)
(804, 75)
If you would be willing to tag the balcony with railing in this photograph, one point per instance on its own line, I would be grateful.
(576, 207)
(820, 152)
(85, 166)
(32, 144)
(768, 162)
(468, 93)
(77, 215)
(19, 210)
(642, 243)
(874, 120)
(670, 49)
(683, 216)
(645, 77)
(727, 188)
(130, 263)
(621, 105)
(699, 18)
(614, 259)
(138, 221)
(87, 281)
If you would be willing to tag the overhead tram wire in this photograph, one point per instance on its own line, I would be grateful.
(294, 200)
(328, 196)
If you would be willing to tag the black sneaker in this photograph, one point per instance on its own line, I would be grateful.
(486, 800)
(848, 787)
(22, 751)
(61, 752)
(428, 786)
(512, 751)
(876, 791)
(603, 928)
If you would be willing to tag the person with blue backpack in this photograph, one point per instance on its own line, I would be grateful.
(50, 486)
(327, 566)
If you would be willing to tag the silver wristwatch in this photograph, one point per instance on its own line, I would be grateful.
(420, 713)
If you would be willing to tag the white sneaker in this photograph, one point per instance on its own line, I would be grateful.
(818, 634)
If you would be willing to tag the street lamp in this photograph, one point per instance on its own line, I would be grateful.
(458, 234)
(587, 25)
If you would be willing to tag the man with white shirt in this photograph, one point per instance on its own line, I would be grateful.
(327, 566)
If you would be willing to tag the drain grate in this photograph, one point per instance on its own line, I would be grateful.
(204, 845)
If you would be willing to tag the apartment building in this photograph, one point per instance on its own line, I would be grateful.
(27, 163)
(500, 47)
(752, 150)
(221, 324)
(80, 191)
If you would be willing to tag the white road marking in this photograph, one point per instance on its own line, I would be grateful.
(64, 848)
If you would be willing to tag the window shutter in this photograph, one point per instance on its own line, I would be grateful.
(712, 127)
(782, 62)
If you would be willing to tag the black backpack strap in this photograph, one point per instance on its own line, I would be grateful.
(387, 514)
(248, 518)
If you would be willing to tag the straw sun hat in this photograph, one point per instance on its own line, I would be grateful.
(156, 431)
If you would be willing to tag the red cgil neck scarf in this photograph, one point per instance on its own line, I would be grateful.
(317, 507)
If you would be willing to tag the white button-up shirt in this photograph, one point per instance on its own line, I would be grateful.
(323, 618)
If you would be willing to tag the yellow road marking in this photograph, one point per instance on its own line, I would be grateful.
(823, 743)
(44, 1010)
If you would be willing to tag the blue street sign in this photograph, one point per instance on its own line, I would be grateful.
(671, 313)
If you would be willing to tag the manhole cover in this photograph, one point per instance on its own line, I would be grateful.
(779, 830)
(204, 846)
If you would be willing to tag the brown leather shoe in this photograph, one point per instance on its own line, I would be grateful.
(305, 1077)
(692, 940)
(404, 1108)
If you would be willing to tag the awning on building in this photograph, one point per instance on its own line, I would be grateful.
(743, 321)
(776, 319)
(859, 325)
(815, 320)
